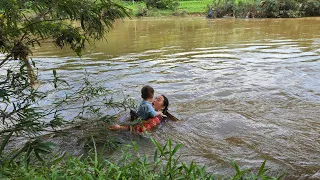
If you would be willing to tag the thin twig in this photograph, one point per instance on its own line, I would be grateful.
(5, 60)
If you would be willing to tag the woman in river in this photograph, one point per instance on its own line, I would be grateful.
(160, 103)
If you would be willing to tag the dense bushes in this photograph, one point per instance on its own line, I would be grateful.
(311, 8)
(233, 8)
(266, 8)
(130, 165)
(162, 4)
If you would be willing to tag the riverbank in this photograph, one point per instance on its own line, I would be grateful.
(238, 9)
(186, 8)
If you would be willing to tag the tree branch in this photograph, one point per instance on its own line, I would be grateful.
(46, 20)
(5, 60)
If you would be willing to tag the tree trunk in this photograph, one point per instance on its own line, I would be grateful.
(31, 74)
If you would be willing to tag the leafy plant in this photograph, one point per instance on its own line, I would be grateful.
(72, 23)
(310, 8)
(162, 4)
(23, 116)
(165, 164)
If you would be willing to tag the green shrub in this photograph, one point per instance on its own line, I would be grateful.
(266, 8)
(293, 14)
(311, 8)
(162, 4)
(142, 11)
(165, 164)
(269, 8)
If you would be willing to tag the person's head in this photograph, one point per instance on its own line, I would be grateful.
(161, 103)
(147, 92)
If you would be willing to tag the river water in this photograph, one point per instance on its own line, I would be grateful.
(246, 90)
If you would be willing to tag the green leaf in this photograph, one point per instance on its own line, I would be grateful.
(5, 142)
(261, 169)
(135, 146)
(178, 146)
(155, 157)
(170, 145)
(54, 72)
(158, 146)
(236, 167)
(89, 176)
(281, 176)
(58, 159)
(33, 63)
(39, 157)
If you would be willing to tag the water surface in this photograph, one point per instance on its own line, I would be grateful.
(247, 90)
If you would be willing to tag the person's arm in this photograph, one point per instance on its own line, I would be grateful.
(119, 127)
(139, 127)
(159, 113)
(135, 128)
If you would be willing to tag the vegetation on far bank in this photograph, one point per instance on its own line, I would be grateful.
(185, 8)
(220, 8)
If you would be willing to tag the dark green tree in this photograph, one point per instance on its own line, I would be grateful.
(24, 24)
(71, 23)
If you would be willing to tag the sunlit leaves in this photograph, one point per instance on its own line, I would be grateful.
(68, 22)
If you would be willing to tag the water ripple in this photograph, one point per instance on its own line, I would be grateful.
(246, 90)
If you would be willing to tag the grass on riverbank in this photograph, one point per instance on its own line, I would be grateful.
(240, 9)
(185, 7)
(130, 165)
(191, 7)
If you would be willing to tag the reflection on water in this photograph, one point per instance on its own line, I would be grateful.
(247, 90)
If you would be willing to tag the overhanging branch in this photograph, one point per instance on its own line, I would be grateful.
(5, 60)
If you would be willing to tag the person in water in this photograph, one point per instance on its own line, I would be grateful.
(160, 103)
(210, 14)
(146, 110)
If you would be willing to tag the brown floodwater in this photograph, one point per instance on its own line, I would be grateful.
(246, 89)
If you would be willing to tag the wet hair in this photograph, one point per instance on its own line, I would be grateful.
(165, 104)
(147, 92)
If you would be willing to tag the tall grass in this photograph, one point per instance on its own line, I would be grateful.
(189, 7)
(238, 8)
(165, 164)
(194, 6)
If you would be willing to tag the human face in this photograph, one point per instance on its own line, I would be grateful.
(157, 103)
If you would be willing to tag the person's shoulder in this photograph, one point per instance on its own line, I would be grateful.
(143, 103)
(149, 104)
(144, 106)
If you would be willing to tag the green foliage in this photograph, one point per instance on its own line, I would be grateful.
(22, 115)
(310, 8)
(18, 114)
(29, 22)
(266, 8)
(142, 11)
(72, 23)
(165, 164)
(236, 8)
(162, 4)
(184, 8)
(241, 8)
(270, 8)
